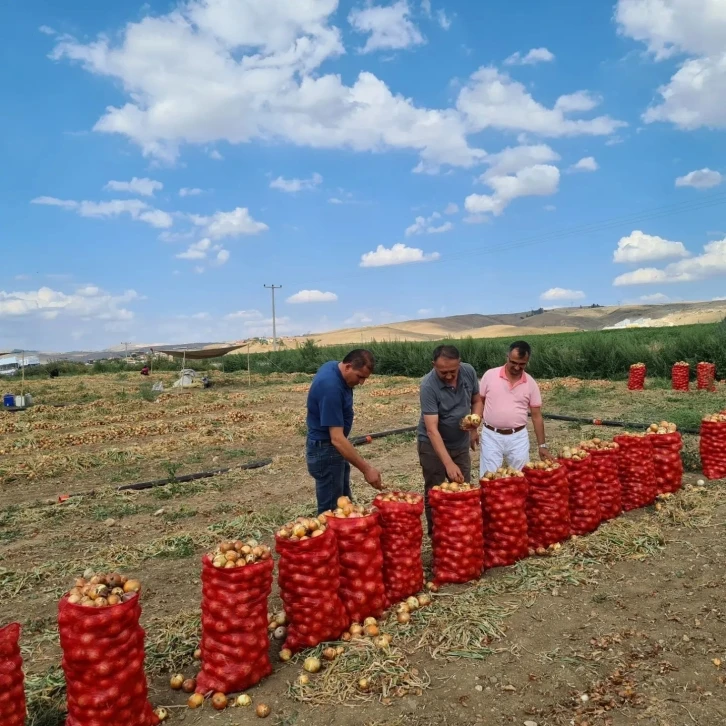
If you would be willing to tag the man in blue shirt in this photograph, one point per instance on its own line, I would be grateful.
(330, 418)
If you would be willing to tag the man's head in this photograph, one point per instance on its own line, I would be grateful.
(517, 358)
(357, 366)
(447, 360)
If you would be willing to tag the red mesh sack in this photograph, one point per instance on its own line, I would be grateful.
(637, 471)
(585, 514)
(361, 565)
(12, 692)
(680, 376)
(706, 376)
(548, 506)
(667, 462)
(308, 574)
(458, 535)
(607, 481)
(235, 642)
(504, 511)
(103, 662)
(401, 539)
(713, 448)
(636, 377)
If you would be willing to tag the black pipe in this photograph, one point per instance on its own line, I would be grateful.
(359, 440)
(140, 486)
(604, 422)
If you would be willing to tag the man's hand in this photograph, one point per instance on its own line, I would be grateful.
(454, 473)
(545, 455)
(474, 439)
(373, 477)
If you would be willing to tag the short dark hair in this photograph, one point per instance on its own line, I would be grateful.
(447, 351)
(522, 347)
(360, 358)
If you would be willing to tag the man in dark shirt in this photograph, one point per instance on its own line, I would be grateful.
(330, 418)
(449, 392)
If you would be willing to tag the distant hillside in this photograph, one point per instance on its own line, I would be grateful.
(474, 325)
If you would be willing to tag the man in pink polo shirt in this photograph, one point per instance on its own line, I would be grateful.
(509, 395)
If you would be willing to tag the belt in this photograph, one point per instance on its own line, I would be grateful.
(319, 444)
(505, 432)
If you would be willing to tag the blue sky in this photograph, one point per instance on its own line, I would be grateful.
(381, 161)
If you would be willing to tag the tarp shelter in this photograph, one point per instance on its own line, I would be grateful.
(199, 353)
(187, 379)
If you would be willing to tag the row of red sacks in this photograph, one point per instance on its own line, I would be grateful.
(713, 448)
(705, 376)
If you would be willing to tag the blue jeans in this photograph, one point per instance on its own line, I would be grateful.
(330, 471)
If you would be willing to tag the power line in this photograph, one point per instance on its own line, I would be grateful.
(274, 323)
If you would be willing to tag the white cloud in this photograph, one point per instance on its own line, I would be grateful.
(696, 28)
(534, 56)
(428, 225)
(145, 187)
(701, 179)
(190, 192)
(230, 224)
(515, 158)
(46, 30)
(578, 102)
(296, 185)
(668, 27)
(426, 8)
(451, 208)
(443, 19)
(251, 71)
(424, 311)
(691, 99)
(86, 303)
(655, 299)
(587, 163)
(196, 250)
(538, 180)
(640, 247)
(390, 26)
(399, 254)
(252, 315)
(549, 208)
(135, 208)
(312, 296)
(710, 263)
(222, 257)
(560, 293)
(214, 154)
(359, 319)
(491, 99)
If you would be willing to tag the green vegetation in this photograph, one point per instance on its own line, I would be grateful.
(599, 354)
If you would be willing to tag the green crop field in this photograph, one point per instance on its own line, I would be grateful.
(600, 354)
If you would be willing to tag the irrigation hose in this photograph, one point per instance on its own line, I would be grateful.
(357, 441)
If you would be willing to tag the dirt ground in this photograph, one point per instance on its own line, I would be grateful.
(624, 626)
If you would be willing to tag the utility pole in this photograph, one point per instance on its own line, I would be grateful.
(274, 323)
(126, 346)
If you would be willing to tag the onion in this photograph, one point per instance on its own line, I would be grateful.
(403, 618)
(132, 586)
(412, 603)
(312, 665)
(280, 632)
(356, 629)
(95, 591)
(364, 685)
(161, 713)
(239, 554)
(424, 600)
(219, 701)
(285, 655)
(195, 700)
(175, 682)
(432, 587)
(330, 653)
(243, 700)
(198, 654)
(371, 630)
(262, 710)
(281, 618)
(189, 685)
(370, 621)
(303, 679)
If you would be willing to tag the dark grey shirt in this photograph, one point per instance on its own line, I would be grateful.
(449, 404)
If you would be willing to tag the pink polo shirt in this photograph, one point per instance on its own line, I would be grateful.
(507, 406)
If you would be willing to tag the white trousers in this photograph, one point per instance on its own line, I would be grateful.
(496, 448)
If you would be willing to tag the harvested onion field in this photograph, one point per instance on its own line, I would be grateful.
(627, 625)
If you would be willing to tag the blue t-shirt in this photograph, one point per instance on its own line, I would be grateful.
(330, 403)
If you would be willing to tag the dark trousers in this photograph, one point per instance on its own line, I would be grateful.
(330, 471)
(434, 471)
